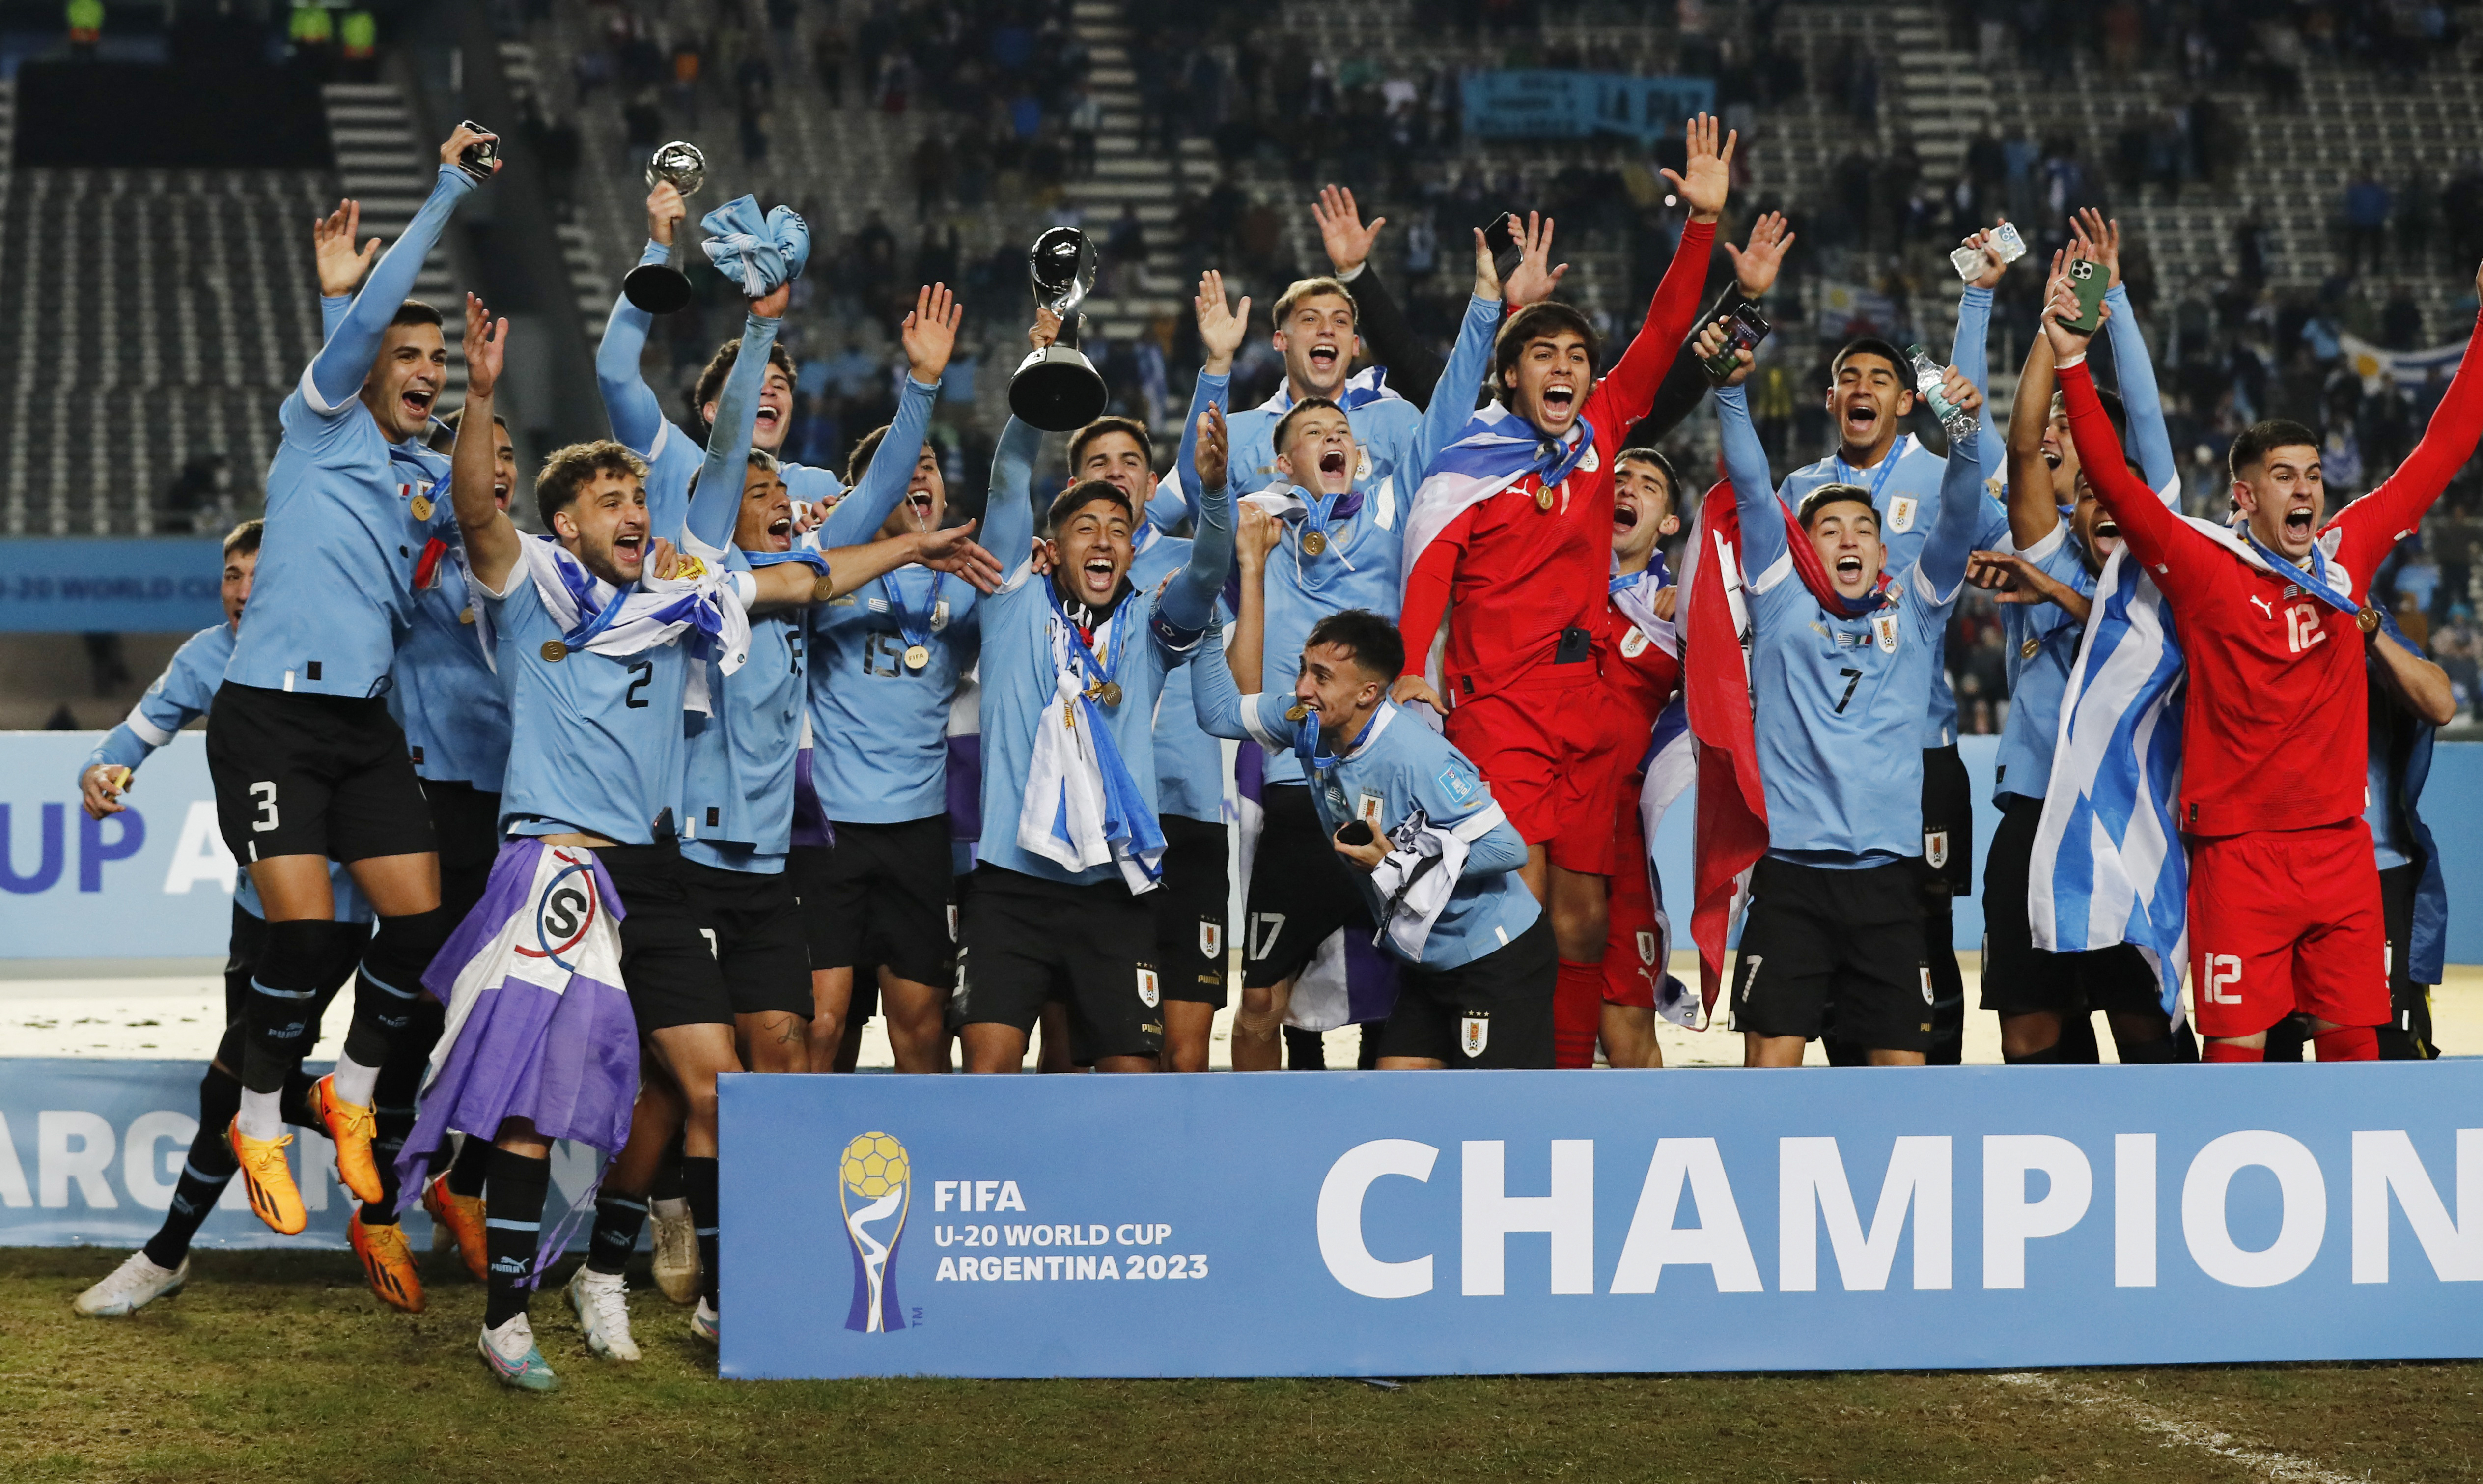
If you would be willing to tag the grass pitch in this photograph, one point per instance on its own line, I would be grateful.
(282, 1366)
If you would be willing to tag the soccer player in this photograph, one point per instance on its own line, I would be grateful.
(1342, 522)
(1841, 659)
(1642, 675)
(885, 665)
(1073, 665)
(674, 453)
(181, 695)
(306, 763)
(1510, 544)
(596, 764)
(1433, 857)
(2275, 725)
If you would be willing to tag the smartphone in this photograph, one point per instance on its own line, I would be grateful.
(1747, 328)
(2090, 282)
(1355, 832)
(1502, 238)
(476, 158)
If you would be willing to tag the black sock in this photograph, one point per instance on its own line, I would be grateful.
(293, 1100)
(204, 1177)
(2050, 1056)
(390, 984)
(698, 1183)
(473, 1162)
(392, 1103)
(668, 1173)
(515, 1191)
(618, 1221)
(1304, 1050)
(2159, 1052)
(282, 994)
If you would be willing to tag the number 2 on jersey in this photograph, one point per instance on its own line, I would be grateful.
(640, 674)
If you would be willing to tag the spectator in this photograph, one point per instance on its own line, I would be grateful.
(2366, 217)
(829, 53)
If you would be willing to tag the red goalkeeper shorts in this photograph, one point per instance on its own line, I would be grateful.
(2287, 920)
(1545, 754)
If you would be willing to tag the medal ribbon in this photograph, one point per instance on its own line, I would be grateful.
(1096, 670)
(1621, 582)
(438, 487)
(1887, 466)
(2314, 582)
(906, 619)
(1306, 740)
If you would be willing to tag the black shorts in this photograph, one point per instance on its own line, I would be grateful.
(2407, 1037)
(1948, 823)
(1191, 904)
(466, 822)
(1493, 1012)
(1300, 890)
(882, 894)
(754, 927)
(1836, 953)
(670, 973)
(302, 774)
(1029, 940)
(2019, 978)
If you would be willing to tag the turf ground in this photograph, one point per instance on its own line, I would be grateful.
(279, 1366)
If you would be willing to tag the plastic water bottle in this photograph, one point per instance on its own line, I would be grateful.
(1928, 378)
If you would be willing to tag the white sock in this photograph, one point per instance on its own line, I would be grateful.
(260, 1115)
(514, 1339)
(677, 1208)
(356, 1083)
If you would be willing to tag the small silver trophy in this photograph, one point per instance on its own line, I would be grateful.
(1056, 388)
(660, 289)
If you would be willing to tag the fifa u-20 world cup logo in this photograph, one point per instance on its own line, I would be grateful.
(874, 1186)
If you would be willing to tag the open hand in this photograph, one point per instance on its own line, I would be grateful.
(1221, 329)
(1341, 230)
(1411, 687)
(486, 346)
(331, 247)
(952, 550)
(929, 334)
(2097, 241)
(1709, 176)
(1757, 265)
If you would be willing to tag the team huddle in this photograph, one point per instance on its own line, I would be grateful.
(742, 752)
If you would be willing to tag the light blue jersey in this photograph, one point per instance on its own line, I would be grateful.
(1397, 767)
(1146, 636)
(447, 695)
(2392, 844)
(879, 728)
(1362, 560)
(638, 421)
(1837, 703)
(738, 785)
(1189, 763)
(334, 588)
(2037, 682)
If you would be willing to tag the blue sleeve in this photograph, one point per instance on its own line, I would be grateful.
(1453, 395)
(1188, 605)
(858, 517)
(718, 505)
(1754, 491)
(331, 314)
(344, 364)
(121, 747)
(1008, 512)
(1500, 851)
(1952, 538)
(1455, 794)
(1218, 702)
(1205, 392)
(2135, 370)
(637, 418)
(1971, 353)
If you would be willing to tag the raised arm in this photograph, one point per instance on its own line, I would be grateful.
(341, 266)
(2032, 513)
(1221, 328)
(344, 362)
(2447, 442)
(1961, 512)
(1222, 709)
(1755, 493)
(1756, 266)
(1452, 395)
(790, 583)
(1256, 533)
(928, 335)
(1009, 508)
(2151, 530)
(492, 539)
(1189, 605)
(1971, 353)
(717, 507)
(2151, 442)
(1412, 371)
(637, 418)
(1629, 386)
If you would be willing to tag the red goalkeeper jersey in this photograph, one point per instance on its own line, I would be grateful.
(2274, 727)
(1513, 572)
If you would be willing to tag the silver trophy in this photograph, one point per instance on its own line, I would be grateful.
(660, 289)
(1056, 388)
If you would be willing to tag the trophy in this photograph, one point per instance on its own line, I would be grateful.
(660, 289)
(1056, 388)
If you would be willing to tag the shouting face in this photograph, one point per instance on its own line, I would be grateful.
(1091, 551)
(1319, 453)
(775, 411)
(1549, 381)
(1865, 402)
(1845, 535)
(766, 522)
(404, 380)
(606, 527)
(1641, 510)
(2284, 499)
(925, 501)
(1317, 340)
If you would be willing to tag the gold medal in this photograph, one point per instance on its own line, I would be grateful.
(1312, 543)
(1543, 498)
(1297, 712)
(1109, 693)
(554, 651)
(823, 589)
(2368, 618)
(466, 615)
(917, 656)
(421, 507)
(2030, 649)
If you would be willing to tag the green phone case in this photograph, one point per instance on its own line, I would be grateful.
(2090, 291)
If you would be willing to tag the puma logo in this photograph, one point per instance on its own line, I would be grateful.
(2264, 607)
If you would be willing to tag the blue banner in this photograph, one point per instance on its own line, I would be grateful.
(90, 1151)
(151, 881)
(144, 586)
(1390, 1224)
(1545, 104)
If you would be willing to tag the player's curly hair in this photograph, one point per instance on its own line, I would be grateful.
(711, 380)
(567, 472)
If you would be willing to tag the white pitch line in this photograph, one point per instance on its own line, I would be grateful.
(2267, 1463)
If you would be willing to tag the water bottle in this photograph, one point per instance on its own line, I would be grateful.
(1927, 377)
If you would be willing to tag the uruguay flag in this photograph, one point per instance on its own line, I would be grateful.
(2108, 865)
